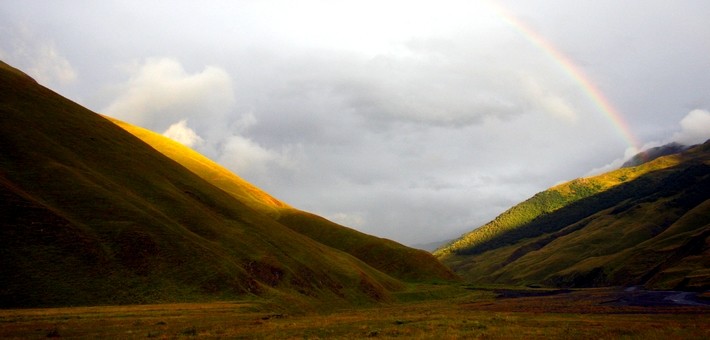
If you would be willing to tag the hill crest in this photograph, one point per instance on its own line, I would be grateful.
(644, 225)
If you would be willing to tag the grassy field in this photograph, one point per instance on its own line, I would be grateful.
(423, 312)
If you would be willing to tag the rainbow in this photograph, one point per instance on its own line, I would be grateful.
(591, 90)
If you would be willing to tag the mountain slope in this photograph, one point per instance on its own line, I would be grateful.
(208, 170)
(493, 234)
(640, 225)
(653, 153)
(93, 215)
(388, 256)
(385, 255)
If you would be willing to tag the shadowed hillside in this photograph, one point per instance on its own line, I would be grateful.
(648, 224)
(388, 256)
(93, 215)
(653, 153)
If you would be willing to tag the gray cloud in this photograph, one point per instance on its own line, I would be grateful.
(405, 119)
(693, 129)
(37, 56)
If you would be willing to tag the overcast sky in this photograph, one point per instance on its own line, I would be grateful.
(410, 120)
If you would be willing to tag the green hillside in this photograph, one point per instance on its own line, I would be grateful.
(640, 225)
(93, 215)
(385, 255)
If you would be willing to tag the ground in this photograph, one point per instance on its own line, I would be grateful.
(423, 312)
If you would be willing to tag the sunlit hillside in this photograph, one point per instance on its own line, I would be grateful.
(495, 233)
(212, 172)
(386, 255)
(648, 224)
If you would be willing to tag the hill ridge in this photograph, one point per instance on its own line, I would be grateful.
(645, 230)
(554, 198)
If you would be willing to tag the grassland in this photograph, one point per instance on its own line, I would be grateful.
(422, 312)
(644, 225)
(489, 236)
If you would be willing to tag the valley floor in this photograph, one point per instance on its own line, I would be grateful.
(429, 312)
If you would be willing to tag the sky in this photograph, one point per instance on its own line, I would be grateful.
(411, 120)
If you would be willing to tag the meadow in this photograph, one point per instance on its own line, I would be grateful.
(422, 312)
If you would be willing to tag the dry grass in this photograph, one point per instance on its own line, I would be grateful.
(475, 314)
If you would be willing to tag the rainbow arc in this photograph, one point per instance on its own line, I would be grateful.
(574, 72)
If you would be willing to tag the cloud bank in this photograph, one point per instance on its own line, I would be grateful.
(160, 89)
(695, 128)
(411, 120)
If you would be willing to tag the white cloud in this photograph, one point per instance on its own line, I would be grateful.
(162, 96)
(617, 163)
(695, 128)
(181, 133)
(161, 90)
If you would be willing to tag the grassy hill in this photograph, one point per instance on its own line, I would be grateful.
(385, 255)
(648, 224)
(93, 215)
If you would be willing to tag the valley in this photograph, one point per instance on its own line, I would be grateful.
(110, 230)
(423, 311)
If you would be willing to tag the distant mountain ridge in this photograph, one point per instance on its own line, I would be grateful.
(643, 225)
(91, 214)
(432, 246)
(653, 153)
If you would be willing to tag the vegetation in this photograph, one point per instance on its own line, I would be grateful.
(456, 313)
(632, 226)
(546, 202)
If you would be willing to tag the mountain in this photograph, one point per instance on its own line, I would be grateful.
(92, 214)
(644, 225)
(653, 153)
(388, 256)
(432, 246)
